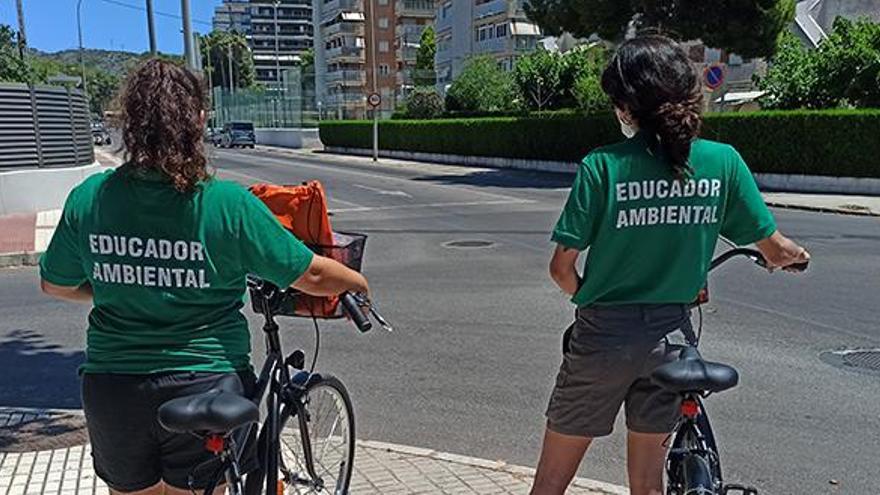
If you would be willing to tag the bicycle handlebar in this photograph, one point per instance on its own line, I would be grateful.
(352, 308)
(755, 256)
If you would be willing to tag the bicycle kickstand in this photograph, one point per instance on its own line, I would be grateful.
(740, 489)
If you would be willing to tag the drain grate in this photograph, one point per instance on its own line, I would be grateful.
(854, 359)
(469, 244)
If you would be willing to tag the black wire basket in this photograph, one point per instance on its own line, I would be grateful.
(347, 248)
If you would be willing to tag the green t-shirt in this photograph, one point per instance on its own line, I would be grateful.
(651, 237)
(167, 269)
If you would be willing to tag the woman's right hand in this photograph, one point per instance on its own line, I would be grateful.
(782, 252)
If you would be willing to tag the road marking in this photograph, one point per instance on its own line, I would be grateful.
(432, 205)
(44, 228)
(793, 317)
(382, 191)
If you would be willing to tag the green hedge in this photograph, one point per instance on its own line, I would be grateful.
(844, 143)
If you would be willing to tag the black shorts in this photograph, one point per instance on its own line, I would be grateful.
(608, 363)
(130, 449)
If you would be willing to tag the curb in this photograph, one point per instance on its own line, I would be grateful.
(825, 209)
(12, 260)
(502, 466)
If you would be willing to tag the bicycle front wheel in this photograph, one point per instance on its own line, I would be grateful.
(326, 428)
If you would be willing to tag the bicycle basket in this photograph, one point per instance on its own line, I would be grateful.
(347, 248)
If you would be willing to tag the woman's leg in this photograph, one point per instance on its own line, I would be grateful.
(645, 457)
(157, 489)
(560, 457)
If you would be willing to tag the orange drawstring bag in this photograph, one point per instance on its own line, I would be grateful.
(302, 209)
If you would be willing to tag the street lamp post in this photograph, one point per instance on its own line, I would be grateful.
(82, 63)
(188, 50)
(151, 28)
(22, 38)
(375, 79)
(277, 67)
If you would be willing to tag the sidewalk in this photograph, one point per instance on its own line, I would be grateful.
(380, 468)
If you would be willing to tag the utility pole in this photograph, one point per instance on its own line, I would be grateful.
(231, 72)
(151, 28)
(22, 39)
(82, 63)
(188, 51)
(375, 79)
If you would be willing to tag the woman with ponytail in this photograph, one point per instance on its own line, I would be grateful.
(650, 209)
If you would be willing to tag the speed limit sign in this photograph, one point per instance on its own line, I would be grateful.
(374, 100)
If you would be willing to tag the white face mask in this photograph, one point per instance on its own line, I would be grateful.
(627, 130)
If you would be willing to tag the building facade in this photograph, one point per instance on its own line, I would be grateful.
(340, 57)
(467, 28)
(278, 32)
(412, 18)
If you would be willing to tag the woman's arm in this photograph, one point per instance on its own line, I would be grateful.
(781, 251)
(82, 293)
(563, 269)
(327, 277)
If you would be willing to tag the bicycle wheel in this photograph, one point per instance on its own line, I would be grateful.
(329, 421)
(691, 472)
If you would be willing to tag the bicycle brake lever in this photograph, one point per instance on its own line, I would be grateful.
(382, 321)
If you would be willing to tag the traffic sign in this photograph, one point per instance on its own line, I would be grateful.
(713, 76)
(374, 99)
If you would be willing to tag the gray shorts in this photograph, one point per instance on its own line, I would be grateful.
(611, 354)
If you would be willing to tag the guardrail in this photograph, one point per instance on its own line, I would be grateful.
(43, 126)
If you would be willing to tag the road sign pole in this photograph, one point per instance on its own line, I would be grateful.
(375, 134)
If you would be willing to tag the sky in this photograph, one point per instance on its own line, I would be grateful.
(50, 25)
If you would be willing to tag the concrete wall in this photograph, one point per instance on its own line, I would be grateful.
(285, 138)
(40, 189)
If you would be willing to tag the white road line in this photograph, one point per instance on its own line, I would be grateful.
(339, 169)
(432, 205)
(792, 317)
(383, 192)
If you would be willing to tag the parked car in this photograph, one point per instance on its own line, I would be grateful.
(238, 134)
(100, 136)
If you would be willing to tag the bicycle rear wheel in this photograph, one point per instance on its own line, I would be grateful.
(691, 471)
(329, 423)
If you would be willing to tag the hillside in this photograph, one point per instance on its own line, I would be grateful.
(114, 62)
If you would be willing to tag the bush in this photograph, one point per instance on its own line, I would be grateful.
(481, 87)
(588, 94)
(424, 103)
(833, 143)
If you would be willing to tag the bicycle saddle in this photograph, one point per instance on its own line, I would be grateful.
(690, 373)
(214, 411)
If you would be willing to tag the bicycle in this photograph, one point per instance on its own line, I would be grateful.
(293, 438)
(693, 466)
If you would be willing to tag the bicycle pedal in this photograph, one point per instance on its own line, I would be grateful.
(743, 490)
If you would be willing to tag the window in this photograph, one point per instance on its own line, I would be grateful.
(501, 31)
(383, 46)
(383, 2)
(446, 10)
(383, 69)
(383, 23)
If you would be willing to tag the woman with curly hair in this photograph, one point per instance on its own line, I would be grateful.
(650, 210)
(160, 249)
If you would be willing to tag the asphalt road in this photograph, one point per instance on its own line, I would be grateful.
(476, 344)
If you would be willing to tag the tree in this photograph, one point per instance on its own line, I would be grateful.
(538, 76)
(481, 87)
(217, 49)
(750, 28)
(12, 67)
(843, 71)
(588, 94)
(424, 69)
(423, 103)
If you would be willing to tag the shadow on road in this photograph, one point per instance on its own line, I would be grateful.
(515, 179)
(36, 373)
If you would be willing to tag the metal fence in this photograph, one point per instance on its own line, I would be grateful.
(288, 104)
(43, 126)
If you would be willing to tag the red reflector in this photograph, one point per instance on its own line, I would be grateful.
(690, 408)
(214, 444)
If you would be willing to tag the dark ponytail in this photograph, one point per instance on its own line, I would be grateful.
(652, 78)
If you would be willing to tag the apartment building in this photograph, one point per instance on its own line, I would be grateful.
(412, 17)
(278, 32)
(340, 57)
(466, 28)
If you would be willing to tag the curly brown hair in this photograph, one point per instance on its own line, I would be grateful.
(162, 107)
(651, 77)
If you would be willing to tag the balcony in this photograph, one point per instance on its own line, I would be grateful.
(408, 52)
(495, 45)
(344, 28)
(416, 8)
(346, 77)
(489, 9)
(333, 7)
(345, 52)
(409, 32)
